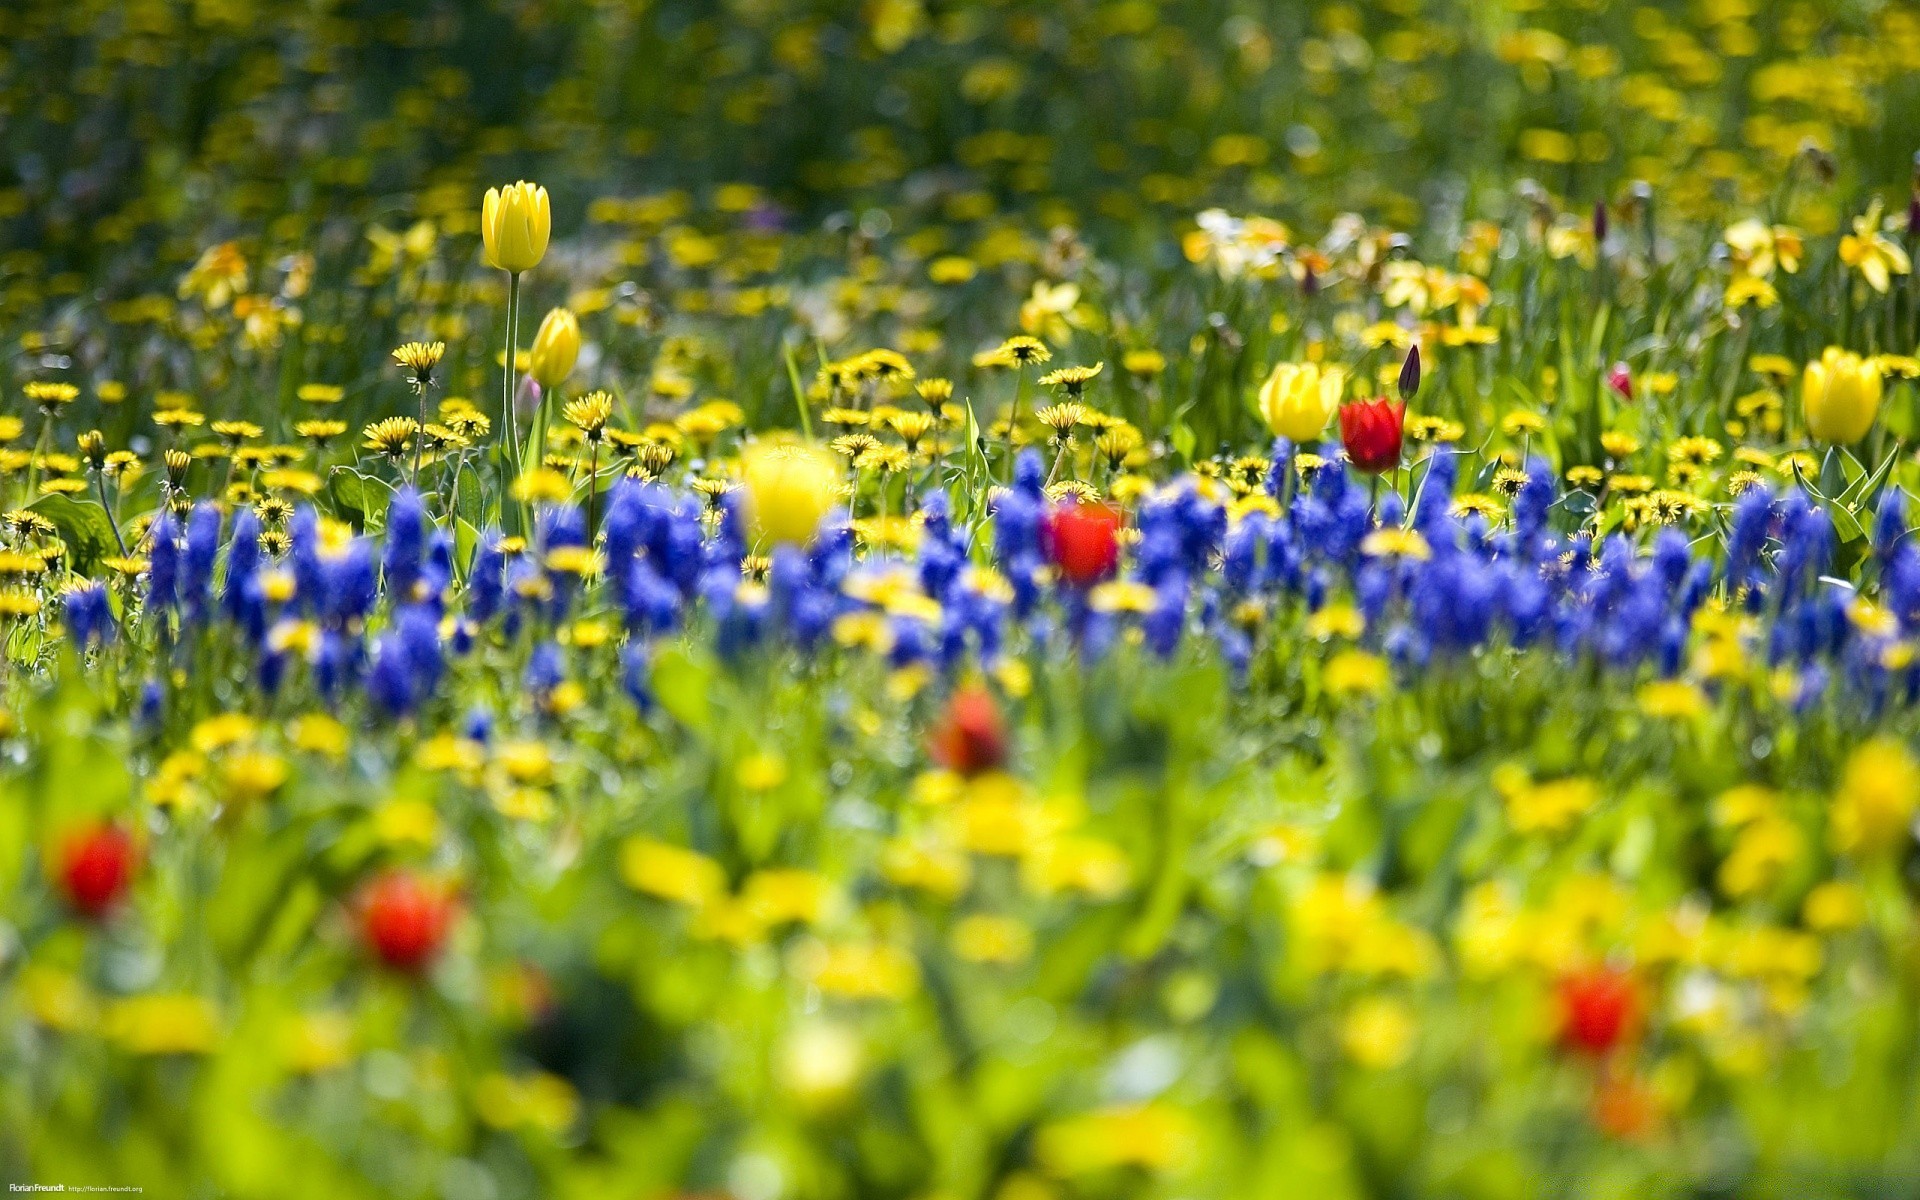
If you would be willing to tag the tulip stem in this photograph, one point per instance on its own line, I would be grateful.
(509, 437)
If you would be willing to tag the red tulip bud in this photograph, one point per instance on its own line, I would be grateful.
(971, 737)
(1598, 1009)
(1083, 542)
(96, 863)
(1371, 432)
(404, 920)
(1620, 380)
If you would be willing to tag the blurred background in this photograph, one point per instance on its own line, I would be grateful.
(146, 121)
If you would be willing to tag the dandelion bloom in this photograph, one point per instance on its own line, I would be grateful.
(1371, 432)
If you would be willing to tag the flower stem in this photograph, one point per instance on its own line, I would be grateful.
(113, 523)
(509, 437)
(1013, 420)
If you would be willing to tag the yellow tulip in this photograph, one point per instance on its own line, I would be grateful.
(514, 225)
(555, 348)
(1298, 399)
(789, 488)
(1841, 395)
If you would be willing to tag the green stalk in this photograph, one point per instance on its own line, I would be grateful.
(508, 438)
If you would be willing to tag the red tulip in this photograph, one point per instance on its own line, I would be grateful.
(1620, 380)
(1083, 542)
(96, 863)
(1370, 430)
(971, 737)
(404, 920)
(1598, 1009)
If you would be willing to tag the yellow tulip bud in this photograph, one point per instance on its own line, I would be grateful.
(1841, 395)
(514, 225)
(555, 348)
(789, 488)
(1298, 399)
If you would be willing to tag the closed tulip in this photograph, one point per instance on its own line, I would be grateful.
(1841, 394)
(404, 920)
(96, 863)
(1598, 1010)
(790, 488)
(1083, 542)
(972, 737)
(515, 223)
(555, 348)
(1371, 432)
(1298, 399)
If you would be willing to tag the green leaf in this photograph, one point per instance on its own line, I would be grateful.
(1183, 440)
(682, 682)
(348, 490)
(360, 494)
(83, 526)
(466, 539)
(468, 505)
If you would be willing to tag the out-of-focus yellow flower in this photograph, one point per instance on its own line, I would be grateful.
(1834, 906)
(1762, 852)
(1747, 289)
(670, 872)
(1378, 1032)
(1674, 698)
(1546, 807)
(411, 821)
(789, 488)
(1355, 672)
(1874, 805)
(858, 970)
(1872, 253)
(1759, 248)
(787, 895)
(987, 938)
(537, 1101)
(1154, 1136)
(515, 223)
(315, 1042)
(57, 999)
(164, 1023)
(1840, 392)
(1298, 399)
(820, 1063)
(556, 346)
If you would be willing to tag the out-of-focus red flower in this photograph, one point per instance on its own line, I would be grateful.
(972, 736)
(1598, 1008)
(1620, 380)
(404, 920)
(1083, 541)
(1371, 432)
(1623, 1108)
(96, 863)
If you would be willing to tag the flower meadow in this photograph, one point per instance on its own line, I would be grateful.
(1003, 599)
